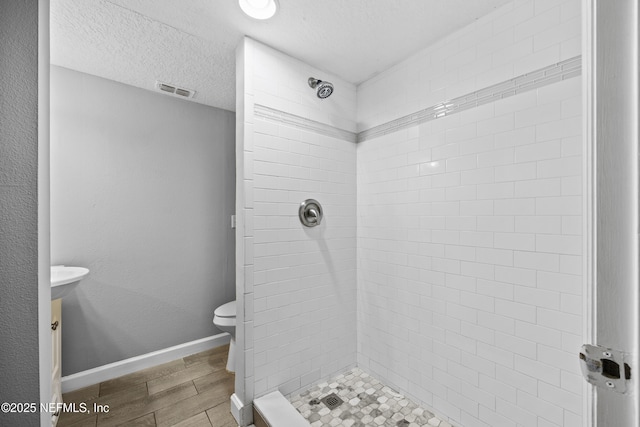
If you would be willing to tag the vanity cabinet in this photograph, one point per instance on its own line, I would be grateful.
(56, 357)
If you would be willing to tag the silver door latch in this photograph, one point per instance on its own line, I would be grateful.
(605, 368)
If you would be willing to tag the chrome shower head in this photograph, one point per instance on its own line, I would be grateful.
(324, 89)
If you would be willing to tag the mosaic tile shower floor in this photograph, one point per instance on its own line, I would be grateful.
(367, 402)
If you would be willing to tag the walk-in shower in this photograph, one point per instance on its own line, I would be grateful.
(448, 267)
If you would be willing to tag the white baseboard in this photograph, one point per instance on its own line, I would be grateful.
(133, 364)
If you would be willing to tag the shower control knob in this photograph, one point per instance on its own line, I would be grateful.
(310, 213)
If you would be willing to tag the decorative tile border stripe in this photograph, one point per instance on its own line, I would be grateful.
(544, 76)
(554, 73)
(303, 123)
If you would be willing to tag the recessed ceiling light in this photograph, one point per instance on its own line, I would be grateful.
(259, 9)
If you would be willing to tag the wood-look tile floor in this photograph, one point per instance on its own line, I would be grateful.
(188, 392)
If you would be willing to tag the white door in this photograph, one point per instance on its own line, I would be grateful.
(611, 78)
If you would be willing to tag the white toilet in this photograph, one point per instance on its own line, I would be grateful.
(224, 317)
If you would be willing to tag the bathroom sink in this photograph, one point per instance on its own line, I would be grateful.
(64, 279)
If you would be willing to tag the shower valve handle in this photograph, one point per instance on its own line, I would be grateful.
(310, 213)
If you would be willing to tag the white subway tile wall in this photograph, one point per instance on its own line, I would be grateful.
(469, 294)
(515, 39)
(299, 287)
(470, 226)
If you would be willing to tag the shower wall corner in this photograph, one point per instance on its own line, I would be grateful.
(295, 286)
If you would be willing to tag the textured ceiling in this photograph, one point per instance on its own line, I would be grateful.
(191, 43)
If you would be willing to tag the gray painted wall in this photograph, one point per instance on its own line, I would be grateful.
(142, 190)
(19, 360)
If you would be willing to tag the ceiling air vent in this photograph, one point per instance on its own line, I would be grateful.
(175, 90)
